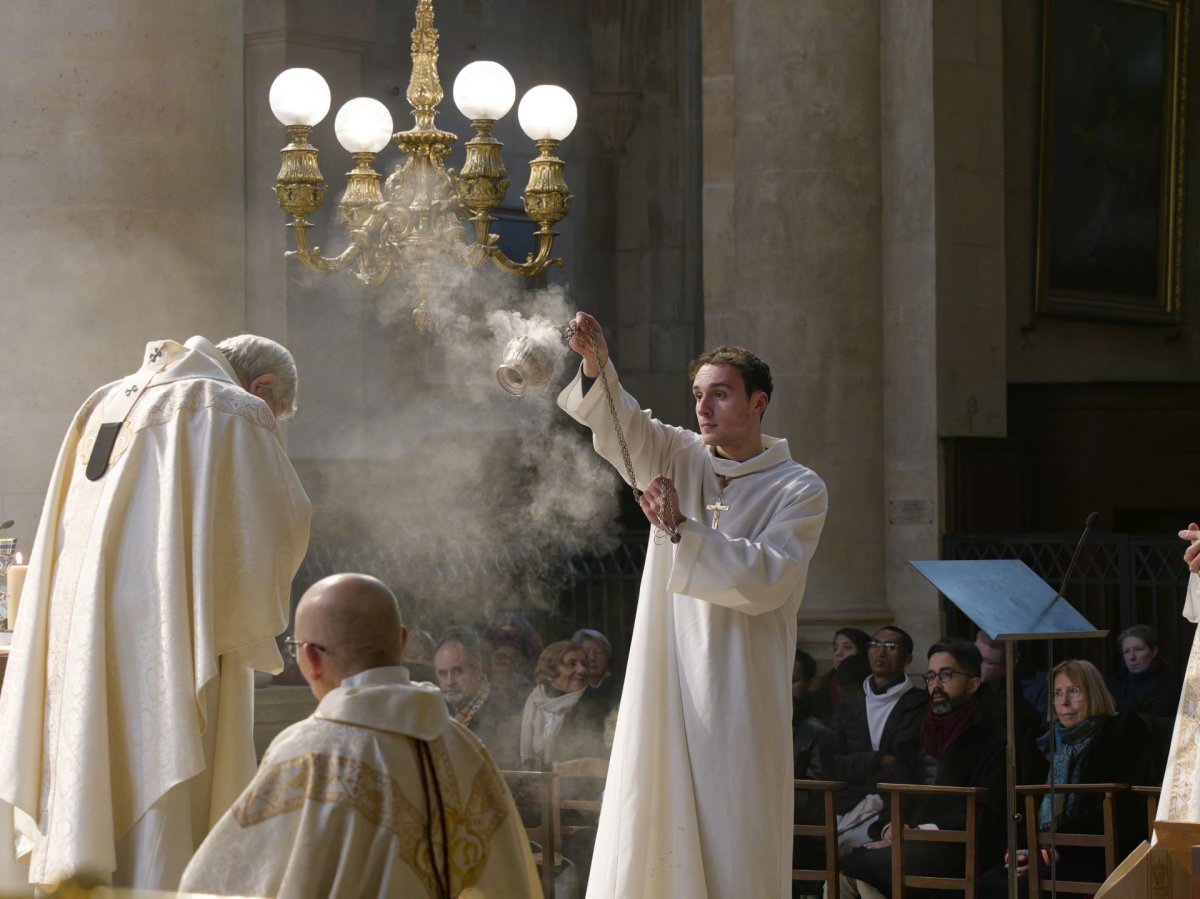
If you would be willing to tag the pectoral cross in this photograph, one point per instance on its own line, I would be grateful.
(716, 509)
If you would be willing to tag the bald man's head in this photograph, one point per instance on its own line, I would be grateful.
(348, 623)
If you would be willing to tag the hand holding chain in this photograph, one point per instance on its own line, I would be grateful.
(664, 530)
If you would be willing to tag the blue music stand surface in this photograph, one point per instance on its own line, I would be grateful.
(1007, 599)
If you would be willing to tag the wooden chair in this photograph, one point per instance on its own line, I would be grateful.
(534, 791)
(1106, 840)
(827, 831)
(1151, 794)
(966, 837)
(586, 772)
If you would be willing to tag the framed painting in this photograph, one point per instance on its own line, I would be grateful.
(1111, 167)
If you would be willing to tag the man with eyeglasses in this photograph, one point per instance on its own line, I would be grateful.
(358, 798)
(959, 748)
(873, 731)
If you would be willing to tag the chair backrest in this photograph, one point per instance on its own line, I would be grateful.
(1106, 840)
(577, 789)
(967, 838)
(533, 793)
(1152, 796)
(826, 830)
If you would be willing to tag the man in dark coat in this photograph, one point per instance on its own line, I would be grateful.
(875, 732)
(493, 717)
(958, 747)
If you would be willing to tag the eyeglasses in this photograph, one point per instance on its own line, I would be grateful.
(1073, 694)
(887, 647)
(945, 675)
(294, 646)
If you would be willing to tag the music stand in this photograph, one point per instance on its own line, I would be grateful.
(1008, 602)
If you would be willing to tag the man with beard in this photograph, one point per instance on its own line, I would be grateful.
(958, 748)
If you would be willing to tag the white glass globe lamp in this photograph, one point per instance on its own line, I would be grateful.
(363, 125)
(299, 97)
(547, 112)
(484, 90)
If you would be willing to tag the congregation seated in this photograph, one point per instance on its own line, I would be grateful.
(959, 747)
(378, 792)
(876, 731)
(1088, 742)
(1146, 684)
(563, 717)
(494, 718)
(849, 650)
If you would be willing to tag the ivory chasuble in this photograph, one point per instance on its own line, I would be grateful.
(1180, 796)
(127, 712)
(698, 801)
(345, 806)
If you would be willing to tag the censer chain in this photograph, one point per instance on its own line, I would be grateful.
(663, 530)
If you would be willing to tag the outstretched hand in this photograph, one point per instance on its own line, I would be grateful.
(588, 329)
(1191, 555)
(659, 513)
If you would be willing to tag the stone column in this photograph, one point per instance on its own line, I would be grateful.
(123, 219)
(792, 260)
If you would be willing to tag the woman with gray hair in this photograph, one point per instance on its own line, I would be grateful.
(266, 370)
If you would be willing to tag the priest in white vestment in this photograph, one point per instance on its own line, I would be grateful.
(698, 801)
(1180, 797)
(377, 793)
(159, 578)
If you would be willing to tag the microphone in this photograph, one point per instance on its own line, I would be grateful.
(1087, 529)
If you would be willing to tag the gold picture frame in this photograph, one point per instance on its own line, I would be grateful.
(1111, 161)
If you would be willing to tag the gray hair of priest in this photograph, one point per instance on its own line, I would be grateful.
(252, 356)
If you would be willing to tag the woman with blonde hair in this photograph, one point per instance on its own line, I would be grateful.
(1088, 742)
(560, 720)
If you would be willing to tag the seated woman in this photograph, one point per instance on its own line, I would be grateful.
(1089, 742)
(561, 721)
(1146, 685)
(848, 643)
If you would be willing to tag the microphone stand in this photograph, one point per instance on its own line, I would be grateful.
(1087, 529)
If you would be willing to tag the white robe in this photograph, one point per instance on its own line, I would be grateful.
(1180, 797)
(698, 801)
(126, 717)
(338, 807)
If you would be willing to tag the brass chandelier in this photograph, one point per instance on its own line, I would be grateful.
(424, 212)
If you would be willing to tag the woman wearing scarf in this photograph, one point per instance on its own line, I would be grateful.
(559, 721)
(1088, 742)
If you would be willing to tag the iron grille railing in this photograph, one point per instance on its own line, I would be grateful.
(589, 589)
(1120, 580)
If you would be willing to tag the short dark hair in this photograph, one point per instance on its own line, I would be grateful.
(965, 653)
(906, 642)
(467, 638)
(807, 664)
(756, 374)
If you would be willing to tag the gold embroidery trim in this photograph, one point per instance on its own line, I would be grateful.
(317, 777)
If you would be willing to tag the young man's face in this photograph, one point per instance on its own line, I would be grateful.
(887, 657)
(726, 416)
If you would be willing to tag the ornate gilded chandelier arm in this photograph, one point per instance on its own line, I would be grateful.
(547, 201)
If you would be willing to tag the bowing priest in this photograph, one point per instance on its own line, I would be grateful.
(698, 801)
(159, 578)
(378, 792)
